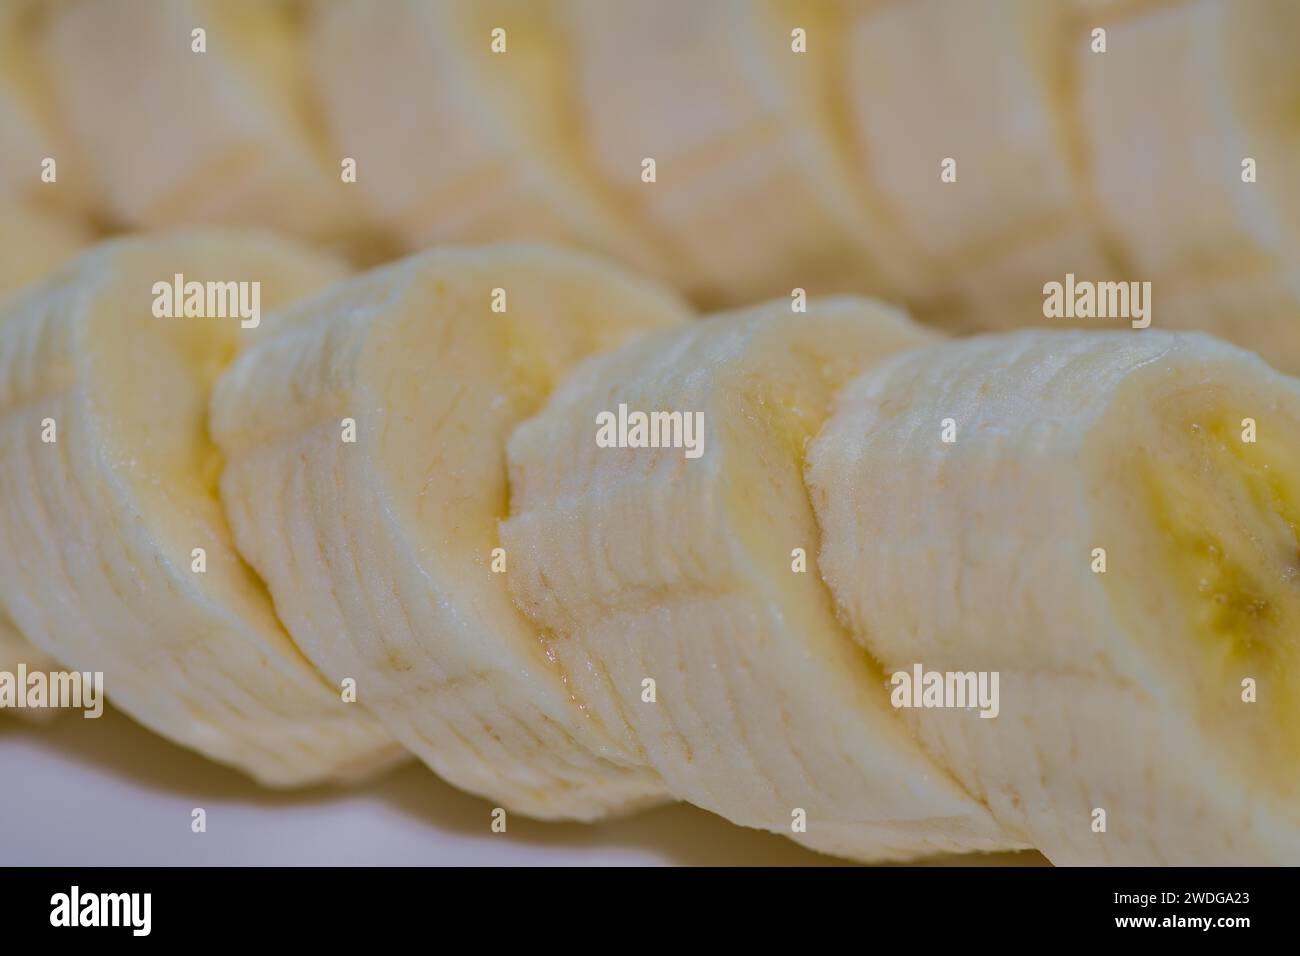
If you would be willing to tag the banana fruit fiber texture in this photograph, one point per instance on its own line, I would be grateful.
(952, 156)
(395, 510)
(399, 485)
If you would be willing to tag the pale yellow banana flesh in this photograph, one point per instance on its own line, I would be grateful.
(1095, 181)
(1228, 80)
(181, 137)
(777, 168)
(24, 145)
(38, 164)
(965, 120)
(627, 564)
(115, 555)
(1120, 683)
(1185, 98)
(381, 552)
(643, 564)
(490, 152)
(31, 245)
(751, 193)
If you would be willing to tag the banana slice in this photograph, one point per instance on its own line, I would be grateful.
(31, 245)
(989, 87)
(489, 154)
(22, 144)
(657, 564)
(381, 552)
(1121, 673)
(114, 552)
(28, 135)
(1186, 98)
(181, 137)
(751, 196)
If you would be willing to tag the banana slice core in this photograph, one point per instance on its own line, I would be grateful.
(1218, 481)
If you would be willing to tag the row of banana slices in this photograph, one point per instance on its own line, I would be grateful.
(498, 589)
(774, 169)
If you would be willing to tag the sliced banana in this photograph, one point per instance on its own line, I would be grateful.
(23, 144)
(487, 150)
(39, 165)
(1188, 102)
(31, 245)
(115, 554)
(751, 195)
(365, 473)
(178, 137)
(964, 115)
(670, 586)
(1099, 534)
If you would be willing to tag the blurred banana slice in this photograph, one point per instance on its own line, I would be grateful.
(988, 88)
(1122, 669)
(380, 548)
(22, 144)
(29, 133)
(114, 551)
(485, 149)
(1189, 102)
(180, 137)
(751, 196)
(668, 586)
